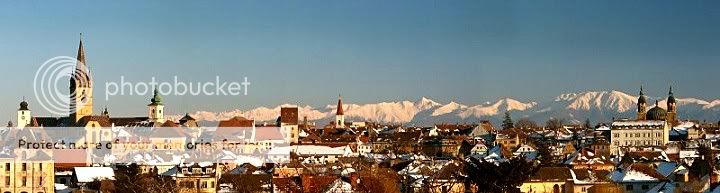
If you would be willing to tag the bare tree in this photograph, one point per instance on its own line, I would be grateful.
(554, 123)
(525, 123)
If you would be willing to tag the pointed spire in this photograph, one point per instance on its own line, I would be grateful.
(641, 98)
(81, 52)
(657, 103)
(81, 75)
(339, 106)
(670, 93)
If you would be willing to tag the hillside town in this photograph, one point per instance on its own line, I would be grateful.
(654, 151)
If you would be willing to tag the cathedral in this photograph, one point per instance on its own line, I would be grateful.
(651, 128)
(657, 113)
(81, 113)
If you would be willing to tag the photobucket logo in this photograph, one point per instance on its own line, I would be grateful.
(52, 75)
(178, 88)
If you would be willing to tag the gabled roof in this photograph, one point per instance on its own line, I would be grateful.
(551, 174)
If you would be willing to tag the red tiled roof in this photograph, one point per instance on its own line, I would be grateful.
(236, 122)
(339, 108)
(289, 115)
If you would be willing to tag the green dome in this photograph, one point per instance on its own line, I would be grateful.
(656, 113)
(156, 100)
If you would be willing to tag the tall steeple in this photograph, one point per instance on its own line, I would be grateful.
(671, 107)
(641, 105)
(81, 52)
(81, 87)
(155, 108)
(339, 114)
(339, 106)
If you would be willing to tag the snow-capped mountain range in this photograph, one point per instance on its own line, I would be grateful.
(599, 106)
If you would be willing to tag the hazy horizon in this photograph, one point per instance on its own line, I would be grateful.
(305, 53)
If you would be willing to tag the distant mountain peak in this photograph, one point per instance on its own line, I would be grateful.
(596, 105)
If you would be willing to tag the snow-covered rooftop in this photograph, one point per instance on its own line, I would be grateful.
(89, 174)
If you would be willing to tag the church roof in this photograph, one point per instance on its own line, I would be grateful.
(671, 98)
(104, 121)
(81, 75)
(642, 98)
(23, 106)
(339, 107)
(156, 100)
(656, 113)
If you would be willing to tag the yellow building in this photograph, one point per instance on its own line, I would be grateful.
(549, 180)
(27, 175)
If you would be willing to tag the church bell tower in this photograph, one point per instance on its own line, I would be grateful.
(81, 88)
(641, 105)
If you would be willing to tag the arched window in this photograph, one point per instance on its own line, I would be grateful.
(556, 189)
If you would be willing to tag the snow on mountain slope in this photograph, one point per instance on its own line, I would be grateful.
(498, 107)
(574, 107)
(613, 100)
(390, 112)
(258, 114)
(713, 104)
(449, 108)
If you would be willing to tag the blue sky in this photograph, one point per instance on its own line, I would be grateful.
(307, 52)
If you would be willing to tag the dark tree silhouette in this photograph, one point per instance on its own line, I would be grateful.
(588, 125)
(505, 177)
(507, 121)
(554, 123)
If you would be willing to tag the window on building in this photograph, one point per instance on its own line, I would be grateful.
(24, 181)
(7, 166)
(7, 180)
(629, 187)
(645, 187)
(24, 167)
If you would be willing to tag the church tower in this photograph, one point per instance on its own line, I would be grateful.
(641, 105)
(155, 108)
(671, 108)
(23, 115)
(339, 115)
(81, 88)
